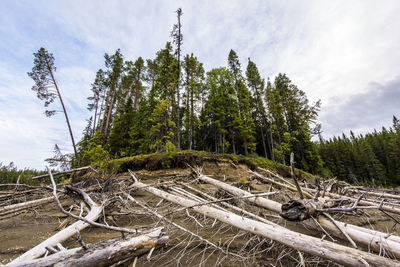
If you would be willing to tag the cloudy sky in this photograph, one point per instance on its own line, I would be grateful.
(346, 53)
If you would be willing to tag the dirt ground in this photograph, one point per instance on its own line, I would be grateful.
(24, 231)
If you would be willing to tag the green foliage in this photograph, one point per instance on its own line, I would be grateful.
(372, 159)
(10, 174)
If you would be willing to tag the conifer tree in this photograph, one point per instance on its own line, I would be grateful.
(194, 78)
(98, 89)
(257, 86)
(178, 39)
(245, 123)
(114, 65)
(45, 83)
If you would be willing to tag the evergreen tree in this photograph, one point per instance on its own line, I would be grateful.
(43, 76)
(177, 39)
(246, 126)
(292, 118)
(193, 81)
(98, 89)
(114, 65)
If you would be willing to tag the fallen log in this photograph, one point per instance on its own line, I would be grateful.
(368, 238)
(65, 172)
(314, 246)
(102, 253)
(40, 250)
(24, 205)
(360, 202)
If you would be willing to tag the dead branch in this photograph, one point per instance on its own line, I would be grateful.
(103, 253)
(294, 176)
(181, 227)
(338, 253)
(65, 172)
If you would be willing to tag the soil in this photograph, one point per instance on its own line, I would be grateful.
(24, 231)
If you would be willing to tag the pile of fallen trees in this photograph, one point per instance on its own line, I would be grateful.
(297, 222)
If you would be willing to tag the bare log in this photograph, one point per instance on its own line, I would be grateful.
(39, 250)
(360, 202)
(328, 250)
(102, 253)
(180, 227)
(25, 205)
(64, 172)
(369, 238)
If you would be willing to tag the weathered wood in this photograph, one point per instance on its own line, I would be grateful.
(102, 253)
(64, 172)
(314, 246)
(369, 238)
(299, 209)
(39, 250)
(384, 207)
(24, 205)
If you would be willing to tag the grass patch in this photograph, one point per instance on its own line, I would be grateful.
(158, 161)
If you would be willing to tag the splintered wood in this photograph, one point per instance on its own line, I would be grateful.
(209, 220)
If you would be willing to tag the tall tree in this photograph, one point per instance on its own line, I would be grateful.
(98, 88)
(257, 87)
(292, 119)
(245, 124)
(43, 75)
(114, 65)
(194, 78)
(177, 39)
(221, 110)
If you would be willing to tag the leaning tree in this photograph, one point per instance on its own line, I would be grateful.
(46, 86)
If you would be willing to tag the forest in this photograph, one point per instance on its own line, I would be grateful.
(171, 103)
(183, 166)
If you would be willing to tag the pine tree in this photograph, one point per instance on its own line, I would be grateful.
(43, 75)
(114, 65)
(193, 82)
(98, 89)
(178, 39)
(292, 119)
(245, 123)
(257, 86)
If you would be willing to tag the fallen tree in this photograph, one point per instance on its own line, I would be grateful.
(103, 253)
(368, 238)
(24, 205)
(314, 246)
(40, 250)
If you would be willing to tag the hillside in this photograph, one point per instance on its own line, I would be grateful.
(201, 199)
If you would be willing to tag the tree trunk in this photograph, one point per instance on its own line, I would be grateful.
(109, 114)
(178, 78)
(61, 236)
(95, 116)
(369, 238)
(24, 205)
(104, 253)
(314, 246)
(65, 111)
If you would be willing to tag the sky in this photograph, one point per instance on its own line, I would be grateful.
(345, 53)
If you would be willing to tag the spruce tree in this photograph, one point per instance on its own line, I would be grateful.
(43, 75)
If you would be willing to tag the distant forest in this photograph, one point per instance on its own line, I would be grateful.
(170, 103)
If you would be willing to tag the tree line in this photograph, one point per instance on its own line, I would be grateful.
(373, 158)
(170, 103)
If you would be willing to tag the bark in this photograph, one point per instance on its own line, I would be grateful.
(314, 246)
(103, 253)
(109, 114)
